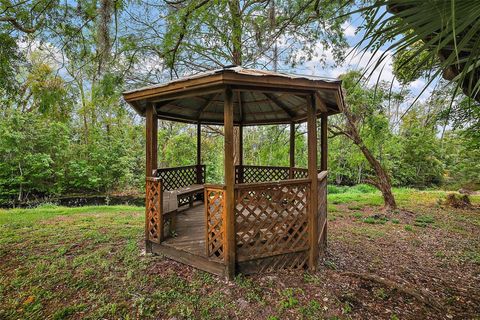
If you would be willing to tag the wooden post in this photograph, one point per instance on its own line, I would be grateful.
(292, 149)
(151, 128)
(199, 143)
(324, 167)
(240, 155)
(229, 165)
(312, 175)
(199, 153)
(324, 143)
(240, 138)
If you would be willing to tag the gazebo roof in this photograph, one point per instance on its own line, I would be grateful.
(260, 97)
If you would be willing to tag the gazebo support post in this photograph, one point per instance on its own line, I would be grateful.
(151, 129)
(312, 175)
(240, 153)
(199, 153)
(240, 138)
(229, 214)
(323, 167)
(323, 143)
(292, 149)
(151, 137)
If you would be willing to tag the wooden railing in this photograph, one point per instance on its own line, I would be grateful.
(153, 211)
(215, 217)
(271, 224)
(180, 177)
(254, 174)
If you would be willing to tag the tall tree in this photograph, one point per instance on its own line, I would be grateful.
(248, 31)
(361, 105)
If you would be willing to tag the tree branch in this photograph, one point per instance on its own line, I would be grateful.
(17, 25)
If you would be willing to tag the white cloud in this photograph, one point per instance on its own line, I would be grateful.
(348, 29)
(50, 53)
(355, 61)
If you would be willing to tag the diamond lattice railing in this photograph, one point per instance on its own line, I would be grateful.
(271, 219)
(214, 211)
(153, 209)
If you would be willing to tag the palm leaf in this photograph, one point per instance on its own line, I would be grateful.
(448, 30)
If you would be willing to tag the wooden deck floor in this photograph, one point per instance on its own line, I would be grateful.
(190, 230)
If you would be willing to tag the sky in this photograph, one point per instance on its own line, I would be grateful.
(356, 61)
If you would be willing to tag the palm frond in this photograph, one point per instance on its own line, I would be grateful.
(448, 31)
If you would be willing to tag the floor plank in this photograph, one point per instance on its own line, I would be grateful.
(190, 230)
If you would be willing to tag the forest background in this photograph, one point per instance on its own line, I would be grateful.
(65, 129)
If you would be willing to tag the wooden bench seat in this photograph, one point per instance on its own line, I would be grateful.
(171, 200)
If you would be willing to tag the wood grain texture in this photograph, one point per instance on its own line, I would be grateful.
(229, 165)
(215, 222)
(312, 174)
(153, 211)
(292, 149)
(324, 143)
(271, 218)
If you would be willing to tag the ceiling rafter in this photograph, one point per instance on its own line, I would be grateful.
(320, 103)
(279, 104)
(206, 105)
(240, 105)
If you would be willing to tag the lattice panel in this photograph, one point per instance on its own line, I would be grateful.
(180, 177)
(215, 211)
(252, 174)
(271, 219)
(300, 173)
(289, 261)
(153, 205)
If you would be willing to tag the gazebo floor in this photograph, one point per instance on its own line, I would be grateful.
(188, 244)
(190, 230)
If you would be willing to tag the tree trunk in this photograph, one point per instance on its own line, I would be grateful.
(236, 29)
(236, 58)
(382, 181)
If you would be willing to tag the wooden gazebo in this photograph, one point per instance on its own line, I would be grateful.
(261, 218)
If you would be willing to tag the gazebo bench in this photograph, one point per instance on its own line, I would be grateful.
(170, 202)
(189, 191)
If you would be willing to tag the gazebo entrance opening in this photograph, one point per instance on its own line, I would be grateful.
(262, 218)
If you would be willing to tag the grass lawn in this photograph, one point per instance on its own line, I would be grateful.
(87, 263)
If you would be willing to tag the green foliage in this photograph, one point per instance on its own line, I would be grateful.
(65, 129)
(462, 160)
(421, 163)
(10, 58)
(289, 299)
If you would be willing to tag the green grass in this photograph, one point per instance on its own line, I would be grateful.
(424, 220)
(363, 195)
(86, 262)
(375, 220)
